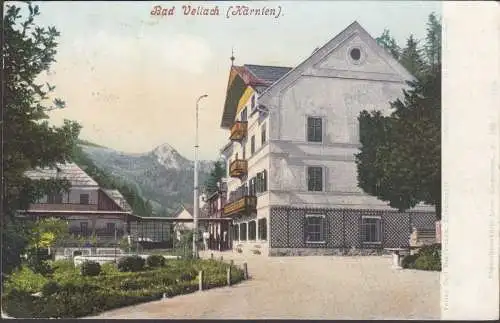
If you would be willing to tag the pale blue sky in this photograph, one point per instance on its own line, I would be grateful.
(132, 79)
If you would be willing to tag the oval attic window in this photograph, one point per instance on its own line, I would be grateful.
(355, 54)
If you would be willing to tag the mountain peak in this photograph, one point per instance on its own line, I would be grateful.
(169, 157)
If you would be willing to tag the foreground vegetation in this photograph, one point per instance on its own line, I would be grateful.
(66, 291)
(427, 258)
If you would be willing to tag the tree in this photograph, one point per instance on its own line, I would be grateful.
(411, 57)
(389, 43)
(218, 172)
(47, 232)
(28, 140)
(400, 155)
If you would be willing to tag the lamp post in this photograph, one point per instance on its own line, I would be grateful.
(196, 189)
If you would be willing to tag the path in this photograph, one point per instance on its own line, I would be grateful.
(307, 288)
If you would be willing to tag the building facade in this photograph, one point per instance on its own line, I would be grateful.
(293, 135)
(88, 209)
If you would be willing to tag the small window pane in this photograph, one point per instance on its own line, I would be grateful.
(315, 179)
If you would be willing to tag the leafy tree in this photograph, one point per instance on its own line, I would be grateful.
(47, 232)
(400, 155)
(29, 141)
(388, 43)
(218, 172)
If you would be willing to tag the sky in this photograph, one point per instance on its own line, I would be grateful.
(131, 79)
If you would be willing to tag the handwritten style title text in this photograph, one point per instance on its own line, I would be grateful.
(229, 12)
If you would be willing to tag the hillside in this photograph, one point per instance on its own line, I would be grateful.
(162, 176)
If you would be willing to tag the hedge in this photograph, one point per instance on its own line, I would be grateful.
(68, 294)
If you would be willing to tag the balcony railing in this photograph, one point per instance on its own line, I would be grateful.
(245, 204)
(63, 207)
(238, 168)
(238, 131)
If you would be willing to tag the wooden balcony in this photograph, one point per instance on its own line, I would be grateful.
(245, 205)
(238, 131)
(62, 207)
(238, 168)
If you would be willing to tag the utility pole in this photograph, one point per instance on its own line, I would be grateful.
(196, 188)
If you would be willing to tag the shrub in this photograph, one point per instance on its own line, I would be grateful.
(25, 280)
(409, 261)
(427, 258)
(77, 253)
(90, 268)
(256, 252)
(239, 250)
(62, 265)
(51, 287)
(130, 284)
(131, 264)
(428, 262)
(155, 261)
(109, 268)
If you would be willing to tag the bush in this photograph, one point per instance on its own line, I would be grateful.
(90, 268)
(427, 258)
(155, 261)
(408, 261)
(51, 287)
(70, 295)
(131, 264)
(62, 265)
(25, 280)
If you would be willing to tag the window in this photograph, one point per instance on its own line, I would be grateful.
(243, 232)
(355, 54)
(263, 134)
(252, 145)
(252, 187)
(263, 229)
(84, 228)
(236, 232)
(371, 230)
(110, 227)
(315, 179)
(243, 115)
(252, 230)
(54, 198)
(314, 129)
(84, 199)
(252, 104)
(315, 225)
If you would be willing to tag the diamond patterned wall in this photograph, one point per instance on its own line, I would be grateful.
(296, 227)
(423, 220)
(278, 228)
(343, 227)
(335, 228)
(396, 229)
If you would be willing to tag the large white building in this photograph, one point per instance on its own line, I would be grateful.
(292, 179)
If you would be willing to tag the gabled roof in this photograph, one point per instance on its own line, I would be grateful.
(184, 208)
(119, 199)
(319, 53)
(69, 171)
(259, 77)
(267, 74)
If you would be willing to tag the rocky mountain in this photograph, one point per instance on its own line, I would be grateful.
(162, 175)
